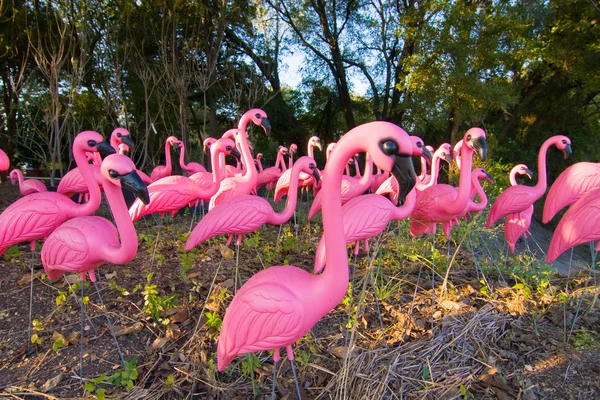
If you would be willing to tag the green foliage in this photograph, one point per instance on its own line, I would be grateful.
(127, 377)
(12, 253)
(585, 339)
(250, 364)
(213, 321)
(154, 304)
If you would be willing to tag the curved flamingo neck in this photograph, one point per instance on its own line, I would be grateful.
(94, 190)
(19, 175)
(542, 184)
(365, 180)
(512, 177)
(291, 161)
(182, 163)
(464, 182)
(478, 190)
(424, 169)
(218, 171)
(311, 150)
(357, 168)
(260, 167)
(250, 174)
(127, 234)
(435, 170)
(292, 200)
(405, 210)
(168, 157)
(114, 141)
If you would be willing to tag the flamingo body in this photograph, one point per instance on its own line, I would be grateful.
(4, 161)
(571, 185)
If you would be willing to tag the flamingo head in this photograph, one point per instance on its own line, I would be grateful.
(14, 176)
(308, 165)
(259, 156)
(315, 142)
(419, 148)
(209, 142)
(444, 152)
(227, 146)
(563, 143)
(122, 136)
(93, 142)
(284, 150)
(330, 147)
(481, 173)
(120, 171)
(391, 149)
(476, 140)
(293, 148)
(174, 142)
(259, 117)
(123, 148)
(523, 169)
(230, 133)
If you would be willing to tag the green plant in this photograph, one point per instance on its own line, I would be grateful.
(127, 377)
(213, 321)
(115, 286)
(93, 387)
(37, 328)
(485, 290)
(12, 253)
(585, 339)
(187, 259)
(155, 304)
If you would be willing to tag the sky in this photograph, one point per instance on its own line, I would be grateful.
(291, 75)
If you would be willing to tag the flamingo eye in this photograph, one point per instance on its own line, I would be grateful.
(119, 135)
(419, 144)
(113, 174)
(228, 148)
(258, 116)
(92, 143)
(390, 147)
(564, 141)
(469, 137)
(312, 166)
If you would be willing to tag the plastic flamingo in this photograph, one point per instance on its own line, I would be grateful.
(572, 184)
(367, 216)
(124, 150)
(165, 170)
(578, 225)
(191, 167)
(517, 224)
(283, 183)
(35, 216)
(258, 162)
(424, 177)
(518, 198)
(28, 186)
(236, 186)
(351, 187)
(293, 150)
(247, 213)
(444, 203)
(172, 193)
(390, 185)
(270, 175)
(279, 305)
(4, 161)
(82, 244)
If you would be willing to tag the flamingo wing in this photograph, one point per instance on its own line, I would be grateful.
(262, 316)
(165, 196)
(268, 175)
(203, 179)
(33, 186)
(571, 185)
(579, 225)
(514, 199)
(283, 184)
(517, 224)
(243, 214)
(65, 250)
(194, 167)
(30, 218)
(72, 182)
(230, 188)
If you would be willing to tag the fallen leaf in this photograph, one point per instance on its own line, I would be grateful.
(27, 278)
(73, 337)
(228, 283)
(226, 252)
(73, 278)
(159, 343)
(451, 305)
(339, 351)
(173, 332)
(111, 275)
(180, 316)
(51, 383)
(193, 275)
(128, 330)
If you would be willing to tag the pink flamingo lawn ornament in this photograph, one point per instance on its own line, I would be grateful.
(247, 213)
(518, 198)
(283, 183)
(279, 305)
(236, 186)
(162, 171)
(424, 177)
(444, 203)
(84, 243)
(269, 176)
(517, 224)
(28, 186)
(572, 184)
(171, 193)
(578, 225)
(35, 216)
(351, 187)
(191, 167)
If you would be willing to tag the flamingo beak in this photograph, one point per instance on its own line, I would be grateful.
(135, 185)
(449, 158)
(319, 145)
(177, 146)
(489, 178)
(128, 141)
(530, 174)
(105, 149)
(480, 144)
(426, 154)
(266, 126)
(315, 173)
(250, 144)
(236, 153)
(567, 151)
(404, 172)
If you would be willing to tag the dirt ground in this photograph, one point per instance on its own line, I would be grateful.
(501, 328)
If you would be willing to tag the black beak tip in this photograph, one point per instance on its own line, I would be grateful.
(128, 141)
(266, 126)
(236, 154)
(568, 151)
(315, 173)
(105, 149)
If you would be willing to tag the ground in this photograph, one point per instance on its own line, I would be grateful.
(500, 327)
